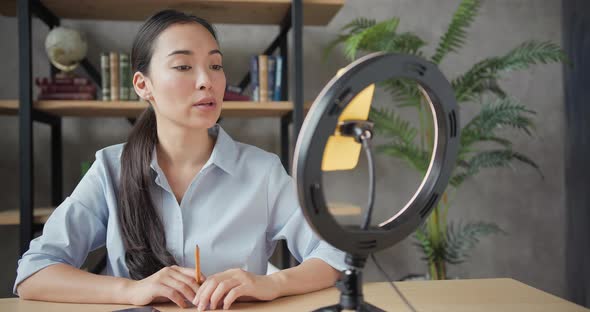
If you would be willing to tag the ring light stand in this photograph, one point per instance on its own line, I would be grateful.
(320, 124)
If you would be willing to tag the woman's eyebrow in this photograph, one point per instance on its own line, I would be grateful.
(189, 52)
(216, 51)
(185, 52)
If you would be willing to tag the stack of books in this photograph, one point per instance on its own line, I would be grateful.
(265, 77)
(234, 93)
(116, 77)
(64, 86)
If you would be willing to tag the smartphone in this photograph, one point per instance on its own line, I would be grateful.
(342, 153)
(139, 309)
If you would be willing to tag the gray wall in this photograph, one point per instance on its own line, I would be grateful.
(529, 208)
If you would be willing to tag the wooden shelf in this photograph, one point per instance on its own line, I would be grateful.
(134, 108)
(8, 107)
(315, 12)
(12, 217)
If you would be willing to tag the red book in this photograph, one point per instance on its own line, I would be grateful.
(56, 88)
(44, 81)
(233, 96)
(82, 96)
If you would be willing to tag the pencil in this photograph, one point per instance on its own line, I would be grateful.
(197, 265)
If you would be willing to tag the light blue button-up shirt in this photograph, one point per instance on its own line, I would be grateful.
(236, 209)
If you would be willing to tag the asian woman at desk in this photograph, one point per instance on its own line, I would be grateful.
(180, 180)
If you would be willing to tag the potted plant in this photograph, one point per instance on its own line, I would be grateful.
(482, 145)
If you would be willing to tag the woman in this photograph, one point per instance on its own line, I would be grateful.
(180, 180)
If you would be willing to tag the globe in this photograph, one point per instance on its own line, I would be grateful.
(65, 48)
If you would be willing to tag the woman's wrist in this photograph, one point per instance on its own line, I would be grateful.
(122, 293)
(278, 281)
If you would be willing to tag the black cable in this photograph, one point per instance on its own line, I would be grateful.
(408, 304)
(366, 141)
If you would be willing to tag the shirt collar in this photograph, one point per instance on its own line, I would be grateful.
(224, 153)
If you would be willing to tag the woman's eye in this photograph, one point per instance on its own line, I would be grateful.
(216, 67)
(183, 67)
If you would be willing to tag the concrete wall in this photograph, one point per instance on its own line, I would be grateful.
(529, 208)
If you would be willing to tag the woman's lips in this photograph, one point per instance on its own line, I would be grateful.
(205, 106)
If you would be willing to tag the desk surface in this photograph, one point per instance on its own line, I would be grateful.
(452, 295)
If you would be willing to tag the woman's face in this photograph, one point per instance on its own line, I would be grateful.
(186, 81)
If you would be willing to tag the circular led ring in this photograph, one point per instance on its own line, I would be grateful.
(322, 120)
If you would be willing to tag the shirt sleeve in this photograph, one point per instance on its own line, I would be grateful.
(76, 227)
(286, 221)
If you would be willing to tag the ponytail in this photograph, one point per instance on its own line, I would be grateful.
(141, 227)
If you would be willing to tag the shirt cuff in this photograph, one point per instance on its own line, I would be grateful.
(31, 265)
(332, 256)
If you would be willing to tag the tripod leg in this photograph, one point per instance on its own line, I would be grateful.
(332, 308)
(367, 307)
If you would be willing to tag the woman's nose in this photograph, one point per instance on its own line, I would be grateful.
(203, 81)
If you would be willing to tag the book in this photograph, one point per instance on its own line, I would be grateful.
(271, 76)
(105, 73)
(62, 88)
(234, 96)
(124, 79)
(114, 62)
(263, 77)
(83, 96)
(277, 96)
(233, 88)
(65, 87)
(43, 81)
(254, 78)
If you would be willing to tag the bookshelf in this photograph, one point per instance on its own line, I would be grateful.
(132, 109)
(289, 15)
(12, 217)
(262, 12)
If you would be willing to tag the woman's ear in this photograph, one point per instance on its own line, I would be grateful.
(142, 86)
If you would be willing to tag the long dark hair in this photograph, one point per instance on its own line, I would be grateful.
(141, 227)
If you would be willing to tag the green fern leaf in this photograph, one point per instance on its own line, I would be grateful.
(359, 24)
(472, 83)
(461, 239)
(328, 49)
(414, 156)
(387, 122)
(406, 43)
(356, 26)
(364, 38)
(455, 35)
(404, 91)
(494, 115)
(491, 159)
(432, 251)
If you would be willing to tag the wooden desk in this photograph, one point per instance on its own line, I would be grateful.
(491, 295)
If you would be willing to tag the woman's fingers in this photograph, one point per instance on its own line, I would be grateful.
(189, 272)
(187, 279)
(173, 295)
(204, 293)
(179, 286)
(221, 290)
(232, 295)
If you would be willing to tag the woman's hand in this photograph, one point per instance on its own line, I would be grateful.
(173, 283)
(222, 289)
